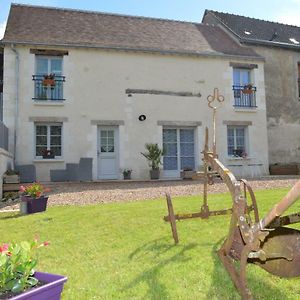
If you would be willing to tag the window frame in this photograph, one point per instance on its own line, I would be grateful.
(178, 146)
(49, 57)
(48, 124)
(246, 139)
(240, 76)
(46, 94)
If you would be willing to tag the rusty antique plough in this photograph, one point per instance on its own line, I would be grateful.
(264, 242)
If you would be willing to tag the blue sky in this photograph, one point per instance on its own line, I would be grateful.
(287, 11)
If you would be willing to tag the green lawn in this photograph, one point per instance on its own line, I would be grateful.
(126, 251)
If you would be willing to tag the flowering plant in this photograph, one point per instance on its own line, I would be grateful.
(17, 263)
(48, 153)
(34, 190)
(127, 171)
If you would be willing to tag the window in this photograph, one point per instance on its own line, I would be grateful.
(241, 77)
(243, 90)
(48, 137)
(179, 149)
(46, 66)
(236, 141)
(107, 141)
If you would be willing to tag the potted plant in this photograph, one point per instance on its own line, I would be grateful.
(48, 154)
(33, 198)
(11, 176)
(19, 281)
(127, 174)
(248, 89)
(153, 156)
(187, 173)
(49, 80)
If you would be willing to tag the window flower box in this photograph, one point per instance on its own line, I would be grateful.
(49, 80)
(48, 154)
(248, 89)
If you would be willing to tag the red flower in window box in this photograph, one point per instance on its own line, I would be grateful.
(49, 80)
(48, 153)
(248, 89)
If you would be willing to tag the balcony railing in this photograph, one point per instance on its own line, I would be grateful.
(45, 91)
(244, 96)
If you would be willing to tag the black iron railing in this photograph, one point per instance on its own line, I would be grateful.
(47, 90)
(244, 95)
(299, 87)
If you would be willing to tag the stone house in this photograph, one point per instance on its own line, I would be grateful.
(279, 44)
(84, 91)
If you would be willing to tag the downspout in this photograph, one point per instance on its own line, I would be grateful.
(17, 72)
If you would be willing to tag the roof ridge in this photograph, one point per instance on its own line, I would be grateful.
(220, 12)
(101, 13)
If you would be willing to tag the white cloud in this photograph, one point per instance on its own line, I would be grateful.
(2, 29)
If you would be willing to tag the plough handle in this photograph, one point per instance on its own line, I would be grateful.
(291, 197)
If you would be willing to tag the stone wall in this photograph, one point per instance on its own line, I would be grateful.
(282, 102)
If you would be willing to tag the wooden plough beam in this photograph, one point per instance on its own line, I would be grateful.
(264, 242)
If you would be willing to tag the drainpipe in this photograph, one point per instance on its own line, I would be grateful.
(17, 71)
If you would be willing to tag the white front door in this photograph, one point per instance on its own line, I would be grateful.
(108, 162)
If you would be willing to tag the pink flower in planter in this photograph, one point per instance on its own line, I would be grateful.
(22, 188)
(4, 248)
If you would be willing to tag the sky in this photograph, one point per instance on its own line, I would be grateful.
(286, 12)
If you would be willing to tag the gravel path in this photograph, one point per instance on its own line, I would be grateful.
(73, 193)
(104, 192)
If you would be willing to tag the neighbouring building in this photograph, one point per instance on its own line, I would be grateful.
(76, 84)
(279, 44)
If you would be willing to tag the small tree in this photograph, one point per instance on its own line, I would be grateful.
(153, 155)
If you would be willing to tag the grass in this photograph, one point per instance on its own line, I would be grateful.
(126, 251)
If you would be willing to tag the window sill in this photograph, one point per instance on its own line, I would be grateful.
(48, 160)
(238, 158)
(245, 109)
(49, 102)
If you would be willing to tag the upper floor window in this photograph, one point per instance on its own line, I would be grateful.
(237, 141)
(48, 78)
(48, 140)
(243, 89)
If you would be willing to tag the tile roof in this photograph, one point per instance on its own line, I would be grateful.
(259, 31)
(55, 26)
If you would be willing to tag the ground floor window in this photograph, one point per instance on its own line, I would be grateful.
(237, 141)
(48, 137)
(179, 146)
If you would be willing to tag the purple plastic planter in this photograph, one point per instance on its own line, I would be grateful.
(35, 205)
(50, 291)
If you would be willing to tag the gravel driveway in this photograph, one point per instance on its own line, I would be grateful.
(104, 192)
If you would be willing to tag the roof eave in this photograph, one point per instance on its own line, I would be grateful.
(132, 49)
(270, 43)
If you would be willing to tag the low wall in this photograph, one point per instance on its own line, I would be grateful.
(6, 162)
